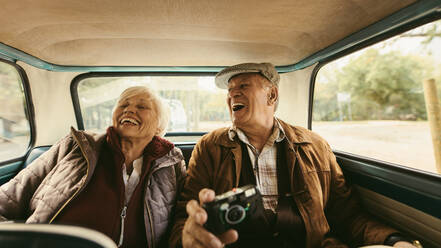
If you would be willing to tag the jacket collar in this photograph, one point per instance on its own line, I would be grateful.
(277, 130)
(91, 143)
(158, 147)
(295, 135)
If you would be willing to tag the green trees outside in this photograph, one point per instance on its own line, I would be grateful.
(379, 83)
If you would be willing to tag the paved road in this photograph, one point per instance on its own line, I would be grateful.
(403, 142)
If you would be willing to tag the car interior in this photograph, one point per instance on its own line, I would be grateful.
(42, 235)
(70, 59)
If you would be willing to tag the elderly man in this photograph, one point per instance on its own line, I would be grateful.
(307, 202)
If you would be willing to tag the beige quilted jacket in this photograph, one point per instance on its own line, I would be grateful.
(40, 191)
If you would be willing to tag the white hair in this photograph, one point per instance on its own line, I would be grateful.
(161, 109)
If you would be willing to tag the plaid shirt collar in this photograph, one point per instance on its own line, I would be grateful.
(278, 132)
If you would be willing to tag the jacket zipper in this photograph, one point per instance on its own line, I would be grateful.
(124, 212)
(148, 207)
(151, 225)
(123, 217)
(79, 189)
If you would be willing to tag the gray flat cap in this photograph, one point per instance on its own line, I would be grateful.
(265, 69)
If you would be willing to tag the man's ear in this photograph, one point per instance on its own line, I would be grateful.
(273, 95)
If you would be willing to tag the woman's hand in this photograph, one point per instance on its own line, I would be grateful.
(194, 234)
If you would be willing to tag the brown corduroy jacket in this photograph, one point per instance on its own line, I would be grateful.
(325, 201)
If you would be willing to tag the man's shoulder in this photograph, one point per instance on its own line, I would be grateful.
(298, 134)
(216, 137)
(212, 145)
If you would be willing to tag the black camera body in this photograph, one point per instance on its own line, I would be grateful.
(232, 209)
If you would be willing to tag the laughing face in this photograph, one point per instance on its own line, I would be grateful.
(136, 116)
(251, 100)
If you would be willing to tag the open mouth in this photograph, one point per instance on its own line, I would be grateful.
(237, 106)
(129, 121)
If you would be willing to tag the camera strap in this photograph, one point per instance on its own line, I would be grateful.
(246, 174)
(283, 182)
(289, 224)
(286, 223)
(265, 217)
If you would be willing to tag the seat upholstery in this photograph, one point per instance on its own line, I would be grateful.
(35, 153)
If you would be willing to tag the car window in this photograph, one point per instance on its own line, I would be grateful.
(14, 123)
(372, 103)
(194, 102)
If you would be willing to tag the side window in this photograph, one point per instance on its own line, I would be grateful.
(383, 102)
(15, 134)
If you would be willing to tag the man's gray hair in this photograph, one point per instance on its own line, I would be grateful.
(161, 109)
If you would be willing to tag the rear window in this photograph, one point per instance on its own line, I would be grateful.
(195, 103)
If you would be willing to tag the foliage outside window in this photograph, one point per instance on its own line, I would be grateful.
(14, 124)
(371, 103)
(194, 102)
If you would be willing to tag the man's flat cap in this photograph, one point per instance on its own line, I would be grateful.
(265, 69)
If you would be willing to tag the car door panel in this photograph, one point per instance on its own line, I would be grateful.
(407, 199)
(9, 170)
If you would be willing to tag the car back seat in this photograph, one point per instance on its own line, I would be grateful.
(35, 153)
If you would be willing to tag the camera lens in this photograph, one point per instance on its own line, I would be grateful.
(235, 214)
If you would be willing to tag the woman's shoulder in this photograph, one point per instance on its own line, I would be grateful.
(73, 140)
(174, 156)
(176, 152)
(86, 136)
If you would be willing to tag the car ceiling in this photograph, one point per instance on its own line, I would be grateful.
(183, 32)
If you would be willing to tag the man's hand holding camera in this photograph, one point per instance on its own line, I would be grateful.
(194, 233)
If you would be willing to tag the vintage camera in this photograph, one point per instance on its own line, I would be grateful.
(233, 209)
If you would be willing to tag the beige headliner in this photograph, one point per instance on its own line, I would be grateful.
(180, 32)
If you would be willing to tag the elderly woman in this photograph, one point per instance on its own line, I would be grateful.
(123, 183)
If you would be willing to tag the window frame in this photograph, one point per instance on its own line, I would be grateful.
(29, 111)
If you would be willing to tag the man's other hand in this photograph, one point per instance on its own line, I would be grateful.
(194, 234)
